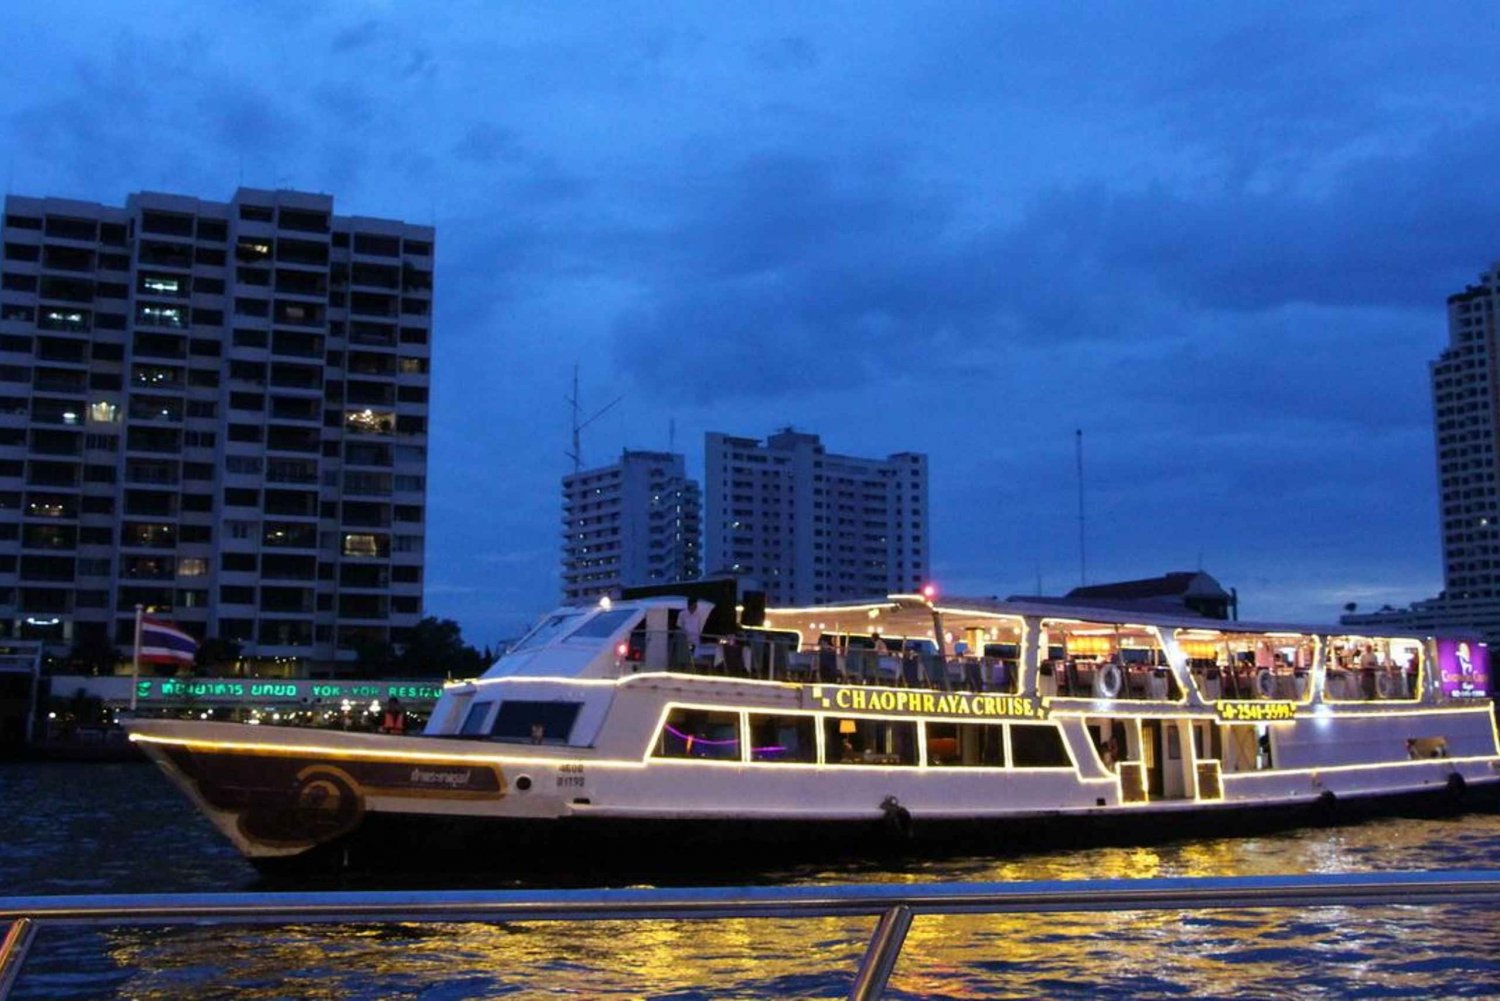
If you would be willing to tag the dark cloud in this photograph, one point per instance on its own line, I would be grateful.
(787, 52)
(356, 36)
(486, 142)
(244, 118)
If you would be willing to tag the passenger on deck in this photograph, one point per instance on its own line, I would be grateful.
(394, 720)
(690, 622)
(828, 661)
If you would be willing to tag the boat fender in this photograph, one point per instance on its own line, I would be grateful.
(1265, 683)
(1111, 680)
(1327, 803)
(1457, 785)
(897, 818)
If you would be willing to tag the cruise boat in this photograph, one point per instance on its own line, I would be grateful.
(898, 724)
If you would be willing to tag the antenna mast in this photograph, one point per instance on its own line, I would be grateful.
(578, 425)
(1083, 563)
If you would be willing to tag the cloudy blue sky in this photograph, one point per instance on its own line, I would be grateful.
(1216, 238)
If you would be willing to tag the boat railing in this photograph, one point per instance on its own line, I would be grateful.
(770, 658)
(1110, 679)
(894, 906)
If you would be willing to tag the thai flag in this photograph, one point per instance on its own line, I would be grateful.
(164, 643)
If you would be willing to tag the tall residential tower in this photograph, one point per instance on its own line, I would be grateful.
(813, 526)
(1466, 423)
(218, 411)
(634, 522)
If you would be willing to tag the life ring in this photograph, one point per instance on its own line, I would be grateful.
(1109, 680)
(1388, 685)
(1265, 683)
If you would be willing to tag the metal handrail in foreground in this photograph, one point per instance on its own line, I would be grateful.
(895, 905)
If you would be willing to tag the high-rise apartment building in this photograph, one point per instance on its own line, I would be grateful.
(631, 523)
(217, 411)
(813, 526)
(1466, 422)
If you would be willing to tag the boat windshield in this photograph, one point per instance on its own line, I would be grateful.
(551, 629)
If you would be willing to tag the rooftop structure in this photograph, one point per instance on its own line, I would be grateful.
(1169, 594)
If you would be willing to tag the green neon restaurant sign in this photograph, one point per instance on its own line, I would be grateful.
(281, 690)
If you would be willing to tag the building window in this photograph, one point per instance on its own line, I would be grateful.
(365, 544)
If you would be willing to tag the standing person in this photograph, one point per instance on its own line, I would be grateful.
(690, 620)
(394, 720)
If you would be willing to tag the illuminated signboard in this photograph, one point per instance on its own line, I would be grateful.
(281, 690)
(969, 705)
(1256, 712)
(1464, 667)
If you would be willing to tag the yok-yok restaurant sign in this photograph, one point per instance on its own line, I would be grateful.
(272, 691)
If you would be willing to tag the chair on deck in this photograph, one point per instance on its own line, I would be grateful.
(887, 668)
(973, 670)
(778, 667)
(734, 660)
(1156, 685)
(800, 666)
(956, 673)
(828, 665)
(936, 671)
(911, 670)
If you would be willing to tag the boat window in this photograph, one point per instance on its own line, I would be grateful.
(474, 722)
(604, 625)
(536, 722)
(1038, 746)
(869, 742)
(972, 745)
(550, 629)
(699, 733)
(783, 738)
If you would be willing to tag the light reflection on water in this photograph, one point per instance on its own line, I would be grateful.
(121, 828)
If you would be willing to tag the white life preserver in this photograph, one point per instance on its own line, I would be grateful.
(1265, 683)
(1388, 685)
(1109, 680)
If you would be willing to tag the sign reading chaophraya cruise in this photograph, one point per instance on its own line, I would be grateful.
(899, 702)
(1464, 669)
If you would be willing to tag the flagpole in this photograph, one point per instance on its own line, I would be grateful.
(135, 660)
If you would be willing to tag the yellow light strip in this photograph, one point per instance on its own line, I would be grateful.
(550, 679)
(289, 750)
(1402, 763)
(976, 613)
(827, 610)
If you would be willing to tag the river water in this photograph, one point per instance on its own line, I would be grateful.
(121, 828)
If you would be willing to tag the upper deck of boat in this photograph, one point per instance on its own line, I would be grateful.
(1039, 649)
